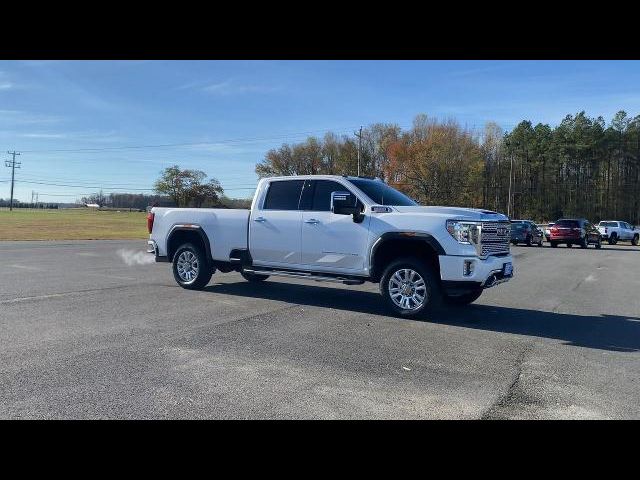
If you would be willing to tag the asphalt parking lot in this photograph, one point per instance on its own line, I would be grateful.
(83, 334)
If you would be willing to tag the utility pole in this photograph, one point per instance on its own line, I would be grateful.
(509, 200)
(12, 164)
(359, 135)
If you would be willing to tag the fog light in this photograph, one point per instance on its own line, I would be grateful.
(467, 268)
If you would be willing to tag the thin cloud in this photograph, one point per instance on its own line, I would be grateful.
(43, 135)
(14, 117)
(227, 87)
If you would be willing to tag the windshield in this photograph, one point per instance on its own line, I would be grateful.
(608, 224)
(382, 194)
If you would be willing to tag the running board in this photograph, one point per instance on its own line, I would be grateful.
(305, 275)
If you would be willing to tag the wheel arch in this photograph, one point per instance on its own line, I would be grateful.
(392, 245)
(180, 234)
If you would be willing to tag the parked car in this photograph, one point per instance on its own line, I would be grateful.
(614, 230)
(547, 231)
(348, 230)
(527, 232)
(575, 231)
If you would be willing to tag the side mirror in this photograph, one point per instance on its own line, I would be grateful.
(345, 203)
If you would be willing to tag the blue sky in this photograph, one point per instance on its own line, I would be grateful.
(232, 112)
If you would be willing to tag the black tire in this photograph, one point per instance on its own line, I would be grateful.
(203, 270)
(613, 239)
(599, 243)
(253, 278)
(554, 244)
(433, 292)
(528, 241)
(569, 245)
(461, 300)
(636, 240)
(584, 243)
(514, 242)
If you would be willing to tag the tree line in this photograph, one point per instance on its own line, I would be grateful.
(175, 187)
(582, 167)
(5, 203)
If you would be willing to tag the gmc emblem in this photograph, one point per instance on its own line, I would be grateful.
(502, 230)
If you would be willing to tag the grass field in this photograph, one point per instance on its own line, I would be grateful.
(71, 224)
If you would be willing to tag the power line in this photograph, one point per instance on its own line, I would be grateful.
(183, 144)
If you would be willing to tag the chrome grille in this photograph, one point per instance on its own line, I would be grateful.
(495, 238)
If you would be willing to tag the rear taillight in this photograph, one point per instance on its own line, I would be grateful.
(150, 218)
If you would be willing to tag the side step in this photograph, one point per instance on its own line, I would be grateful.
(305, 275)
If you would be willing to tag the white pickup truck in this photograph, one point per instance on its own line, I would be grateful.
(614, 230)
(342, 229)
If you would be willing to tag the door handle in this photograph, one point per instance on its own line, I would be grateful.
(312, 221)
(260, 219)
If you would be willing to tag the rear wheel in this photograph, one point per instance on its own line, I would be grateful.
(253, 278)
(466, 299)
(584, 243)
(554, 244)
(569, 245)
(528, 241)
(410, 287)
(613, 239)
(636, 240)
(191, 268)
(599, 243)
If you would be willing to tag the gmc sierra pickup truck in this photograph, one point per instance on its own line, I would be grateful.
(342, 229)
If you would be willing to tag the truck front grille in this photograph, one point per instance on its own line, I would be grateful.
(495, 238)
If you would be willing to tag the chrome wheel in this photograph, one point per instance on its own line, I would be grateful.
(407, 289)
(188, 266)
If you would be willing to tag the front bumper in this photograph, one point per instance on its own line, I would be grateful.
(486, 273)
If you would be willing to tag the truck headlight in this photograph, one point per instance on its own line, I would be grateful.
(463, 232)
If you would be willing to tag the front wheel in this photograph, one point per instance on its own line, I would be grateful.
(554, 244)
(191, 268)
(410, 287)
(461, 300)
(599, 243)
(613, 239)
(584, 243)
(636, 240)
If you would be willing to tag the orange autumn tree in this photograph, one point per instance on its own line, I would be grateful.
(437, 164)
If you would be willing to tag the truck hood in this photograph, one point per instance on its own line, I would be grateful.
(473, 214)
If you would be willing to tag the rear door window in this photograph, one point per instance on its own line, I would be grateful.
(283, 195)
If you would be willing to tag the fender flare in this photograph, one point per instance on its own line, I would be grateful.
(404, 235)
(190, 228)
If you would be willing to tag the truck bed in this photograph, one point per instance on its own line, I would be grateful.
(226, 228)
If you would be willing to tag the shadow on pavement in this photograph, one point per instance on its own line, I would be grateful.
(605, 332)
